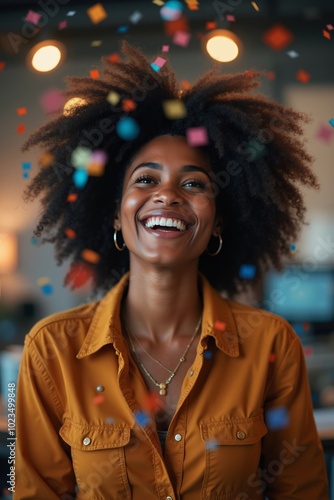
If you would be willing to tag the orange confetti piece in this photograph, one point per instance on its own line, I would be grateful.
(113, 58)
(326, 34)
(256, 7)
(79, 275)
(21, 111)
(72, 197)
(46, 160)
(90, 256)
(98, 399)
(95, 169)
(151, 402)
(129, 105)
(21, 128)
(2, 65)
(278, 37)
(70, 233)
(220, 325)
(94, 73)
(171, 27)
(211, 25)
(271, 75)
(303, 76)
(97, 13)
(185, 84)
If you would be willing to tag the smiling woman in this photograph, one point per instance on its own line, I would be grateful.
(164, 389)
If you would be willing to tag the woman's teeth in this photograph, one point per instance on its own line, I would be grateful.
(163, 222)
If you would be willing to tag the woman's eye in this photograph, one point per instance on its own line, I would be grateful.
(195, 184)
(145, 179)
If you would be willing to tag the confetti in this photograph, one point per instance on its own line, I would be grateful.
(46, 160)
(136, 17)
(45, 285)
(303, 76)
(79, 274)
(127, 128)
(278, 37)
(174, 108)
(122, 29)
(62, 25)
(151, 402)
(220, 325)
(114, 57)
(129, 104)
(34, 240)
(70, 233)
(96, 163)
(21, 111)
(80, 157)
(94, 73)
(277, 418)
(160, 61)
(2, 65)
(272, 357)
(165, 48)
(90, 256)
(208, 354)
(271, 75)
(326, 34)
(72, 197)
(113, 97)
(155, 67)
(21, 128)
(80, 178)
(293, 54)
(212, 444)
(142, 418)
(185, 84)
(110, 420)
(330, 27)
(98, 399)
(71, 13)
(97, 13)
(171, 10)
(197, 136)
(26, 166)
(192, 4)
(96, 43)
(211, 25)
(256, 7)
(52, 101)
(293, 248)
(324, 133)
(247, 271)
(230, 17)
(33, 17)
(181, 38)
(158, 2)
(331, 122)
(171, 27)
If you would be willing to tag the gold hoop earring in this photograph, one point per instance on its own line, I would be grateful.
(219, 248)
(120, 249)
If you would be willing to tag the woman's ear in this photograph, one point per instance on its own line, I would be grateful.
(117, 216)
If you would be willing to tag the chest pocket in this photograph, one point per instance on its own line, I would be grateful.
(98, 454)
(233, 451)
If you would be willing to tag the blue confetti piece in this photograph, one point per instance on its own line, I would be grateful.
(212, 444)
(208, 354)
(34, 240)
(293, 247)
(122, 29)
(26, 165)
(47, 289)
(80, 178)
(127, 128)
(331, 122)
(277, 418)
(247, 271)
(142, 418)
(155, 66)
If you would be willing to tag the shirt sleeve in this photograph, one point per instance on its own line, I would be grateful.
(294, 466)
(43, 464)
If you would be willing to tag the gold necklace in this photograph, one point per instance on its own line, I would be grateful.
(163, 385)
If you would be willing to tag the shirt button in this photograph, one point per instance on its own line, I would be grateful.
(169, 498)
(241, 435)
(177, 437)
(99, 388)
(191, 373)
(86, 441)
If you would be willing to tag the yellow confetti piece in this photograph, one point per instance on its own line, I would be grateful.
(173, 109)
(96, 43)
(95, 169)
(158, 2)
(97, 13)
(90, 256)
(43, 281)
(256, 7)
(113, 98)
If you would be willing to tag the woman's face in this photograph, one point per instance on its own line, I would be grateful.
(167, 212)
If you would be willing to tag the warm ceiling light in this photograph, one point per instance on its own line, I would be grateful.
(46, 56)
(222, 45)
(71, 105)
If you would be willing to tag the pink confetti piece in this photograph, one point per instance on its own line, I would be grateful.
(165, 48)
(230, 17)
(160, 61)
(330, 27)
(62, 25)
(181, 38)
(52, 100)
(324, 133)
(33, 17)
(98, 399)
(197, 136)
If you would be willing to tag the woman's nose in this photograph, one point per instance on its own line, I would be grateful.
(168, 194)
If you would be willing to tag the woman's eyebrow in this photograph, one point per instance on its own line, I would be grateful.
(159, 166)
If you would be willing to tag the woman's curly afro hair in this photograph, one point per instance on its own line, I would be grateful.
(255, 146)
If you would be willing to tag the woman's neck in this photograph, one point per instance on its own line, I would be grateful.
(162, 304)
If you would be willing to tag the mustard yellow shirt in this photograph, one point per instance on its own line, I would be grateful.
(243, 428)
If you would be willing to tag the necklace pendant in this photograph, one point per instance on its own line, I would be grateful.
(163, 390)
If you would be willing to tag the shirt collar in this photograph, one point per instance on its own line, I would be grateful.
(218, 320)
